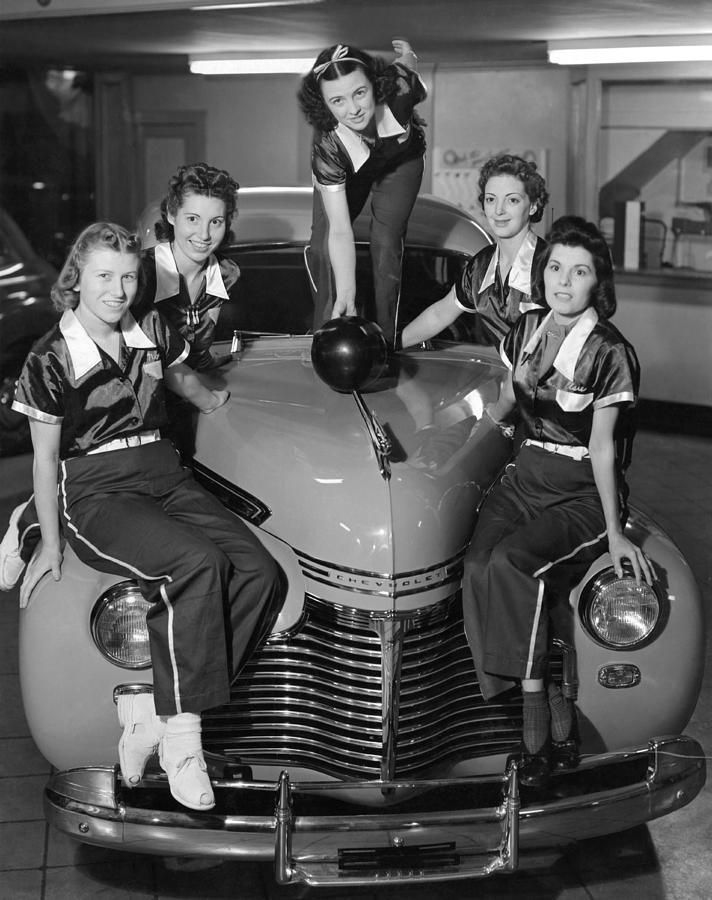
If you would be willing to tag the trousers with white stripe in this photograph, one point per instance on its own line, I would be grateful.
(537, 533)
(214, 589)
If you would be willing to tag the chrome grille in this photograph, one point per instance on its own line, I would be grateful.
(313, 698)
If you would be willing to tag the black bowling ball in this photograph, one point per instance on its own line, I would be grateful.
(349, 353)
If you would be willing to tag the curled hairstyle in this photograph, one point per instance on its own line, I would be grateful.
(375, 68)
(99, 236)
(525, 171)
(575, 231)
(204, 180)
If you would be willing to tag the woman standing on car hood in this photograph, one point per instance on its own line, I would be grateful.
(368, 142)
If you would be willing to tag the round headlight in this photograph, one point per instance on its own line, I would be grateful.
(118, 626)
(619, 613)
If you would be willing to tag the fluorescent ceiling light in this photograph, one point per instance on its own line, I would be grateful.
(672, 48)
(254, 4)
(227, 65)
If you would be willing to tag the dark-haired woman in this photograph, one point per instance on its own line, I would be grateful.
(495, 285)
(184, 278)
(573, 379)
(368, 143)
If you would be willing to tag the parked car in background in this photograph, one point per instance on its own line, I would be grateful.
(357, 747)
(26, 313)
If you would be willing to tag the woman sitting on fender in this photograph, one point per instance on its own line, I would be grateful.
(572, 381)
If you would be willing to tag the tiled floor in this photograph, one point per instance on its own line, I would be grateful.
(670, 858)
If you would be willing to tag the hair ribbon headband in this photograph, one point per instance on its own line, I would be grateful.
(340, 54)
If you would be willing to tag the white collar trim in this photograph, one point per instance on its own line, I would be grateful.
(570, 349)
(357, 148)
(520, 275)
(168, 279)
(84, 353)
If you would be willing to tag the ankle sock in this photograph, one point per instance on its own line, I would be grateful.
(182, 723)
(536, 718)
(181, 757)
(561, 714)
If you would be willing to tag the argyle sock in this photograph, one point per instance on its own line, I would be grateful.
(536, 717)
(561, 714)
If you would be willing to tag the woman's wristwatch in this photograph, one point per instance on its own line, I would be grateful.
(506, 429)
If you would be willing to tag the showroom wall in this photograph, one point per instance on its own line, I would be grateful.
(253, 126)
(480, 112)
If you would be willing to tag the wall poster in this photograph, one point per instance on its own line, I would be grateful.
(457, 170)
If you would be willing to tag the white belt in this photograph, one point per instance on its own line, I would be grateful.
(131, 440)
(578, 453)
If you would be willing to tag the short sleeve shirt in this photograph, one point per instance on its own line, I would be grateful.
(498, 305)
(595, 367)
(342, 155)
(165, 287)
(69, 380)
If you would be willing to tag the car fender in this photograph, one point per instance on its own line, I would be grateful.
(670, 665)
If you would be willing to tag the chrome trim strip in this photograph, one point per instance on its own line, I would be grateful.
(235, 498)
(390, 632)
(137, 687)
(374, 583)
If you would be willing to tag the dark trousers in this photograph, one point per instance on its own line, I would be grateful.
(538, 532)
(392, 197)
(180, 431)
(215, 591)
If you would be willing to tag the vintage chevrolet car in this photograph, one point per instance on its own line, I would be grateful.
(356, 747)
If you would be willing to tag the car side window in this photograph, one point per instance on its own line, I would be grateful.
(427, 276)
(271, 295)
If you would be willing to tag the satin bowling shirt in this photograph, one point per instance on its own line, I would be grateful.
(165, 287)
(67, 379)
(594, 367)
(498, 306)
(342, 156)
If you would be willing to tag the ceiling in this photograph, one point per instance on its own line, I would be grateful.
(92, 33)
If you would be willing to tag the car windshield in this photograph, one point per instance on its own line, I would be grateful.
(273, 296)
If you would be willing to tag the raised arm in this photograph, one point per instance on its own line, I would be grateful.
(405, 54)
(432, 320)
(342, 253)
(603, 460)
(45, 443)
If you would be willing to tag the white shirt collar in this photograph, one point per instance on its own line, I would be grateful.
(168, 279)
(357, 148)
(520, 275)
(84, 353)
(570, 349)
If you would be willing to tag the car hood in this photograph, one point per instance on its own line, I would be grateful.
(309, 456)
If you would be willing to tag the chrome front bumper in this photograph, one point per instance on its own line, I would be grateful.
(314, 837)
